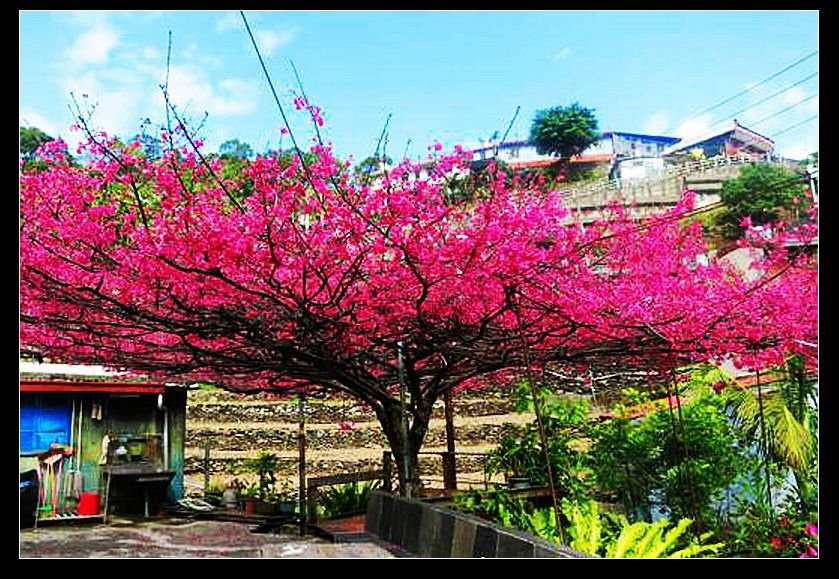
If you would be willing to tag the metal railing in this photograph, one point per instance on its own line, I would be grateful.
(578, 193)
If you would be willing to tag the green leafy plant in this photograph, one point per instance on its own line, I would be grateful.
(249, 492)
(760, 534)
(585, 525)
(590, 533)
(643, 540)
(346, 499)
(213, 493)
(564, 131)
(517, 455)
(520, 454)
(494, 504)
(542, 523)
(265, 466)
(686, 458)
(763, 194)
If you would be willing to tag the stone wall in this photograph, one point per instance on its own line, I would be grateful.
(341, 436)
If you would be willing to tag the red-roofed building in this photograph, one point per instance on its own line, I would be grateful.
(609, 153)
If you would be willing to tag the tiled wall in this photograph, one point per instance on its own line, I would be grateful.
(431, 531)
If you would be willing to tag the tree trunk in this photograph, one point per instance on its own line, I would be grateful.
(405, 458)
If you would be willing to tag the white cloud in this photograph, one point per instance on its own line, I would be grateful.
(93, 46)
(29, 118)
(564, 53)
(122, 81)
(119, 111)
(694, 127)
(113, 106)
(656, 123)
(150, 53)
(230, 21)
(270, 40)
(86, 18)
(190, 90)
(794, 95)
(797, 95)
(801, 147)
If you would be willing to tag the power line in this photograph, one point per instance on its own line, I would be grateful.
(712, 130)
(807, 120)
(751, 88)
(763, 100)
(792, 106)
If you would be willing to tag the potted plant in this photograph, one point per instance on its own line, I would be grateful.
(264, 465)
(516, 457)
(287, 503)
(249, 494)
(213, 493)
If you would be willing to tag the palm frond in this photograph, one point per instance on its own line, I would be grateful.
(789, 440)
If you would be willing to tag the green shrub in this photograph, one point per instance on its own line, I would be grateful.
(345, 499)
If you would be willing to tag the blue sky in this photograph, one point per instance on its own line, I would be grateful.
(454, 77)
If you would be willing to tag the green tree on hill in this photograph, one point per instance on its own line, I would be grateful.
(763, 194)
(564, 131)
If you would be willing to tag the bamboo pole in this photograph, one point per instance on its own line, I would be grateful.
(765, 443)
(537, 407)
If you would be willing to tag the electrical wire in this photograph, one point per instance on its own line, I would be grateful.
(746, 91)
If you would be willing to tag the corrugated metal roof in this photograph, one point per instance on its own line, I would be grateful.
(44, 377)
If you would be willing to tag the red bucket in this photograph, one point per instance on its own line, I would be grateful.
(88, 504)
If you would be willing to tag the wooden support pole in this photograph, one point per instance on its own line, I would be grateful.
(387, 471)
(449, 465)
(301, 466)
(206, 467)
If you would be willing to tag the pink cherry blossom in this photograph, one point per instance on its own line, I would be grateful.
(313, 277)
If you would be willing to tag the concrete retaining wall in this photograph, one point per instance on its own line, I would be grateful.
(426, 530)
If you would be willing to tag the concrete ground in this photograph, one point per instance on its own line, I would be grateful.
(184, 539)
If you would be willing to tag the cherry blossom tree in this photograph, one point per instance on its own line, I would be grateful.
(293, 273)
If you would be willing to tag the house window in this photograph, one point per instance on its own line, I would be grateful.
(44, 420)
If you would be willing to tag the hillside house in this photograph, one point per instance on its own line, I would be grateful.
(101, 442)
(616, 153)
(732, 140)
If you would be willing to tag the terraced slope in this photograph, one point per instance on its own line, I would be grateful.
(340, 437)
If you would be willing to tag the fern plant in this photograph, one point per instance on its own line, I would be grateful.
(542, 522)
(345, 499)
(586, 526)
(643, 540)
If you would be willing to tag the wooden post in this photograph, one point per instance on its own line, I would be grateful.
(449, 467)
(311, 513)
(301, 467)
(387, 471)
(449, 471)
(206, 467)
(406, 489)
